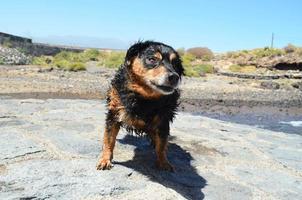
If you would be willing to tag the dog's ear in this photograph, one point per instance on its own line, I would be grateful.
(134, 51)
(178, 65)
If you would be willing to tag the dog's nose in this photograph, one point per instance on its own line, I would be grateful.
(173, 79)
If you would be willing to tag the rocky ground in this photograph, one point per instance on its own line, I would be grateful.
(51, 124)
(49, 149)
(221, 97)
(39, 82)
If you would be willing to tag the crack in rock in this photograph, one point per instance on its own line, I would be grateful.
(25, 154)
(7, 116)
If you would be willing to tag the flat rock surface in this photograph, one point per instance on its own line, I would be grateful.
(49, 150)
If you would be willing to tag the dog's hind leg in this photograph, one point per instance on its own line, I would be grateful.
(111, 130)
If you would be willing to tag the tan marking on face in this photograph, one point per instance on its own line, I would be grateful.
(138, 68)
(172, 56)
(156, 72)
(137, 83)
(158, 56)
(144, 90)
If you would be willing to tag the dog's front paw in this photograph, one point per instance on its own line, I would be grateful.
(166, 166)
(104, 164)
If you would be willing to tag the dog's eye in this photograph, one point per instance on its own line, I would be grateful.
(151, 61)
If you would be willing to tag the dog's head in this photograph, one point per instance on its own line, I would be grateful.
(157, 65)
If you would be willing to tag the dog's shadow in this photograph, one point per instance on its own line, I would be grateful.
(185, 180)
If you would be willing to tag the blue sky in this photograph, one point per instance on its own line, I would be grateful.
(218, 24)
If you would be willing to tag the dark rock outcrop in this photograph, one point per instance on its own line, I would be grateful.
(297, 85)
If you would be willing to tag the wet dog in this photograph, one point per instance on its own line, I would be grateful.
(143, 98)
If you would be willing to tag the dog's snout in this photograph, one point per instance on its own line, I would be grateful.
(173, 78)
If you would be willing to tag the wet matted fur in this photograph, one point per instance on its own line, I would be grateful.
(143, 98)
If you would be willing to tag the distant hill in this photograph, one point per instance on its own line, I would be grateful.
(55, 44)
(84, 41)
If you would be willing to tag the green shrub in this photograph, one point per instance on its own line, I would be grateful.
(198, 70)
(187, 59)
(70, 56)
(207, 58)
(91, 54)
(62, 64)
(1, 61)
(76, 61)
(42, 60)
(189, 71)
(267, 52)
(113, 59)
(205, 68)
(203, 53)
(69, 66)
(256, 53)
(72, 61)
(76, 66)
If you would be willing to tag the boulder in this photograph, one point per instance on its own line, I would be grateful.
(13, 56)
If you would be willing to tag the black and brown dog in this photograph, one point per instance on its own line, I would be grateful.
(143, 98)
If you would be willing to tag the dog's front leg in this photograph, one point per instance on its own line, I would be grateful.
(111, 130)
(161, 144)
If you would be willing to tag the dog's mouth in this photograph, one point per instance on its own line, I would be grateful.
(164, 88)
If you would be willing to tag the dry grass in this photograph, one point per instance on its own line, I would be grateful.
(243, 69)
